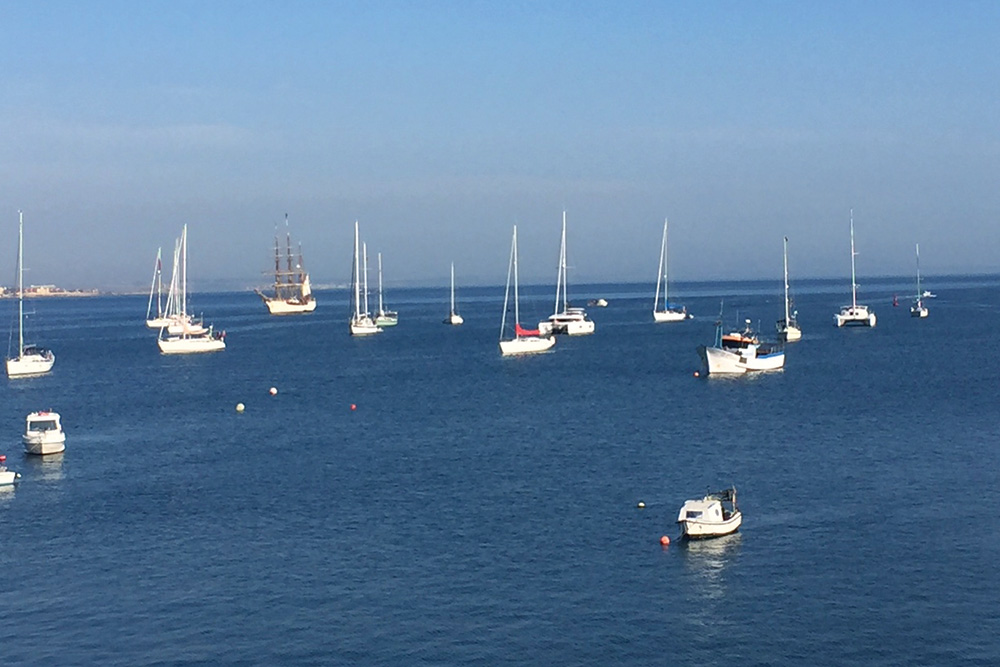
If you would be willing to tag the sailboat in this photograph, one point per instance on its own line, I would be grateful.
(176, 319)
(568, 320)
(30, 359)
(384, 318)
(453, 316)
(192, 337)
(160, 320)
(524, 341)
(788, 328)
(292, 290)
(855, 315)
(918, 309)
(361, 322)
(669, 312)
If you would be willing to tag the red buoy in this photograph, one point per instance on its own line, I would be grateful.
(353, 406)
(664, 540)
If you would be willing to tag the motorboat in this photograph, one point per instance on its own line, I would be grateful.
(713, 515)
(568, 321)
(7, 477)
(854, 315)
(740, 352)
(43, 433)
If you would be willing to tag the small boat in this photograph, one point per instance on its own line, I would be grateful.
(185, 336)
(714, 515)
(7, 477)
(453, 317)
(854, 315)
(43, 434)
(292, 289)
(669, 312)
(788, 328)
(569, 321)
(598, 303)
(384, 318)
(362, 323)
(31, 359)
(918, 309)
(928, 294)
(740, 352)
(525, 341)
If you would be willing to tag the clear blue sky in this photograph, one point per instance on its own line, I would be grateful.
(438, 125)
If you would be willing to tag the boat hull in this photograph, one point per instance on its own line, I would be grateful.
(42, 445)
(721, 361)
(919, 311)
(191, 345)
(8, 477)
(454, 319)
(364, 327)
(671, 315)
(387, 320)
(699, 530)
(289, 307)
(525, 345)
(858, 316)
(158, 322)
(789, 332)
(566, 328)
(30, 364)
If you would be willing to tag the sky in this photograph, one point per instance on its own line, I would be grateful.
(440, 125)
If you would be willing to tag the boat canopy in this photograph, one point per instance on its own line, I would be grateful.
(521, 331)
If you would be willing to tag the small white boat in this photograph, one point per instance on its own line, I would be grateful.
(383, 318)
(362, 323)
(918, 309)
(714, 515)
(453, 317)
(854, 315)
(598, 303)
(928, 294)
(568, 321)
(524, 341)
(43, 434)
(7, 477)
(31, 359)
(788, 328)
(740, 352)
(669, 312)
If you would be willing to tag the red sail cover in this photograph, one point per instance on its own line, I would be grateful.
(524, 332)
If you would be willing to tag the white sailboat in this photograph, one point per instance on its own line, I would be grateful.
(175, 315)
(524, 341)
(855, 315)
(570, 321)
(384, 318)
(30, 359)
(453, 317)
(918, 309)
(160, 320)
(669, 312)
(788, 328)
(292, 289)
(361, 322)
(190, 339)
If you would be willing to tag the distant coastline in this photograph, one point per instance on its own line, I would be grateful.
(40, 291)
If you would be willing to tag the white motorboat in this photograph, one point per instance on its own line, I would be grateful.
(854, 315)
(668, 312)
(7, 477)
(740, 352)
(184, 336)
(384, 318)
(362, 323)
(43, 434)
(788, 327)
(453, 317)
(714, 515)
(31, 359)
(292, 289)
(569, 321)
(524, 341)
(918, 309)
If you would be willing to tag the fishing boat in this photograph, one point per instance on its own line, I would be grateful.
(668, 312)
(524, 341)
(292, 289)
(7, 477)
(854, 315)
(31, 359)
(788, 327)
(740, 352)
(362, 323)
(918, 309)
(43, 433)
(384, 318)
(184, 336)
(713, 515)
(159, 320)
(453, 317)
(565, 319)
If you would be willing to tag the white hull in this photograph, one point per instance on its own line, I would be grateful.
(919, 311)
(855, 316)
(158, 322)
(789, 333)
(364, 327)
(694, 529)
(194, 345)
(289, 307)
(728, 362)
(386, 320)
(670, 316)
(525, 345)
(45, 445)
(454, 319)
(30, 364)
(8, 477)
(574, 327)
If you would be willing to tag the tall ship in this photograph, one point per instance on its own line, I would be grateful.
(291, 291)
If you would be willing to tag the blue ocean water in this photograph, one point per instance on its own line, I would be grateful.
(475, 509)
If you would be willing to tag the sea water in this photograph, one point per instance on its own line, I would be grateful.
(414, 498)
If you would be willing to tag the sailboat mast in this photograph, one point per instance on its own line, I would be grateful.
(787, 315)
(854, 281)
(290, 278)
(918, 270)
(184, 270)
(517, 310)
(156, 286)
(357, 277)
(559, 271)
(364, 254)
(277, 267)
(380, 310)
(20, 284)
(563, 262)
(453, 288)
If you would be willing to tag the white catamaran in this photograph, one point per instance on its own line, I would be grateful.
(453, 316)
(570, 321)
(30, 359)
(191, 337)
(362, 323)
(524, 341)
(854, 315)
(384, 318)
(669, 312)
(292, 290)
(788, 328)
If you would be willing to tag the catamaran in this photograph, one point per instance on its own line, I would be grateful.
(191, 337)
(854, 315)
(918, 309)
(30, 359)
(570, 321)
(525, 341)
(669, 312)
(384, 318)
(453, 316)
(292, 290)
(788, 328)
(361, 322)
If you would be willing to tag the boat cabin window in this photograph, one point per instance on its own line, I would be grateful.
(693, 514)
(47, 425)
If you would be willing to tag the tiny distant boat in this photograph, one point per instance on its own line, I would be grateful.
(714, 515)
(918, 309)
(384, 318)
(43, 434)
(524, 341)
(569, 321)
(598, 303)
(453, 317)
(362, 323)
(788, 328)
(928, 294)
(854, 315)
(669, 312)
(740, 352)
(7, 477)
(31, 359)
(292, 289)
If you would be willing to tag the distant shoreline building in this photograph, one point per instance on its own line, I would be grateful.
(33, 291)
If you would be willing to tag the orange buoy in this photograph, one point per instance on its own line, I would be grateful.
(664, 540)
